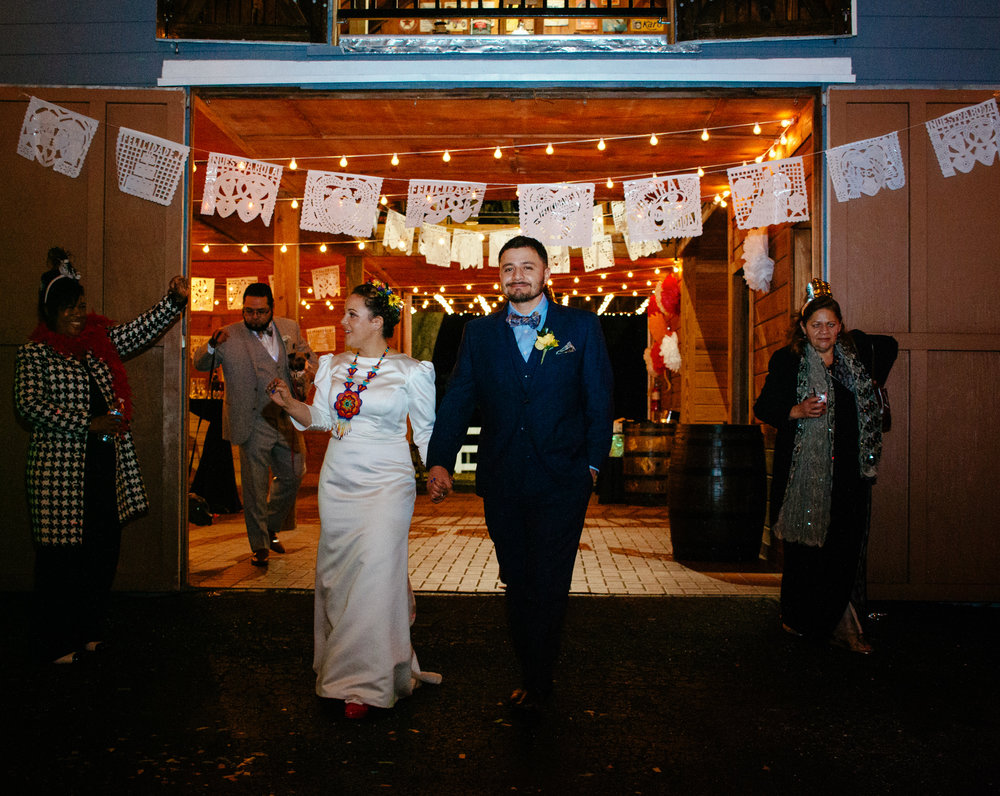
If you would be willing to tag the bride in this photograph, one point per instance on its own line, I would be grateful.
(364, 605)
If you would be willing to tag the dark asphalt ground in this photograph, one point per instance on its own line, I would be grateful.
(212, 693)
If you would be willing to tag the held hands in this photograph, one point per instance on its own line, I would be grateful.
(439, 483)
(280, 393)
(813, 406)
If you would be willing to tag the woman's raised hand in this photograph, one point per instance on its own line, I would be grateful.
(280, 393)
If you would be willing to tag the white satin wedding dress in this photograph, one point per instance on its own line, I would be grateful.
(364, 606)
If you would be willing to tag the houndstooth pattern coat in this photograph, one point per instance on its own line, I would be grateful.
(52, 393)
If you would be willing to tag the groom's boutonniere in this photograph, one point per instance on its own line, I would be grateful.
(545, 341)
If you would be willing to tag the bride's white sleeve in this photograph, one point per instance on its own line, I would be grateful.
(319, 409)
(421, 397)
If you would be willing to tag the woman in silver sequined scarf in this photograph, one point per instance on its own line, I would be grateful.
(820, 397)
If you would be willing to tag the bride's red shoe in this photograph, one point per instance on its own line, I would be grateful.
(355, 710)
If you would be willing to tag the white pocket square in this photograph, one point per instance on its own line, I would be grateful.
(569, 348)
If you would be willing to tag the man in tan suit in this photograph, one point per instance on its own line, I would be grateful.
(252, 354)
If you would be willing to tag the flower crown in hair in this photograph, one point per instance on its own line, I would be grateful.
(393, 302)
(66, 271)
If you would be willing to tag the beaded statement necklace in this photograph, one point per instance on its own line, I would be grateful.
(348, 403)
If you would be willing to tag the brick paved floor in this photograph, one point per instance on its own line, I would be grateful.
(624, 550)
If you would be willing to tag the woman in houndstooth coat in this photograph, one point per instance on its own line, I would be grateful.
(83, 476)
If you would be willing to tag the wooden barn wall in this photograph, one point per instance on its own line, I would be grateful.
(127, 249)
(899, 42)
(920, 263)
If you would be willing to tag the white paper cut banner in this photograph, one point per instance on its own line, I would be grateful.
(467, 249)
(558, 259)
(55, 137)
(866, 167)
(435, 245)
(432, 201)
(246, 187)
(597, 232)
(235, 287)
(149, 167)
(326, 282)
(202, 293)
(340, 203)
(663, 207)
(758, 268)
(322, 339)
(396, 235)
(636, 249)
(557, 215)
(600, 255)
(769, 193)
(965, 136)
(498, 238)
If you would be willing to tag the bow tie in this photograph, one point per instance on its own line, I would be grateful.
(268, 331)
(513, 319)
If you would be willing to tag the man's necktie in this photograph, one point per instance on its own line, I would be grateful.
(532, 320)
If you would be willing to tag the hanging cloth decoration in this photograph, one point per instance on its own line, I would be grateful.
(966, 136)
(636, 249)
(769, 193)
(435, 245)
(432, 201)
(238, 185)
(664, 207)
(558, 214)
(202, 293)
(758, 268)
(149, 167)
(56, 137)
(348, 403)
(396, 235)
(467, 249)
(326, 282)
(866, 167)
(558, 259)
(344, 204)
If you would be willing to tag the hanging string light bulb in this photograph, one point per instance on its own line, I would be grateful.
(549, 150)
(609, 183)
(395, 159)
(756, 128)
(653, 140)
(446, 157)
(322, 247)
(343, 161)
(293, 165)
(497, 153)
(704, 134)
(384, 200)
(295, 204)
(244, 248)
(601, 145)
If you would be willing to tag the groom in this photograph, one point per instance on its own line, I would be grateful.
(540, 375)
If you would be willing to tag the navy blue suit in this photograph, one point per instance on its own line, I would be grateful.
(545, 423)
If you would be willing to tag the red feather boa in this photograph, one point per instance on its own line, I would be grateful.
(95, 341)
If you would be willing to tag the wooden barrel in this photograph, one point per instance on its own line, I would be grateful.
(717, 492)
(646, 461)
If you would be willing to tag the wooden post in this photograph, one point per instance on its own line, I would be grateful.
(286, 264)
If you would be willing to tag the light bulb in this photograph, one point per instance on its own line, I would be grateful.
(609, 183)
(295, 204)
(205, 249)
(653, 140)
(384, 200)
(759, 158)
(704, 134)
(446, 157)
(701, 172)
(756, 129)
(343, 161)
(244, 248)
(783, 139)
(322, 247)
(549, 150)
(284, 248)
(601, 145)
(293, 165)
(361, 245)
(786, 122)
(395, 159)
(497, 153)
